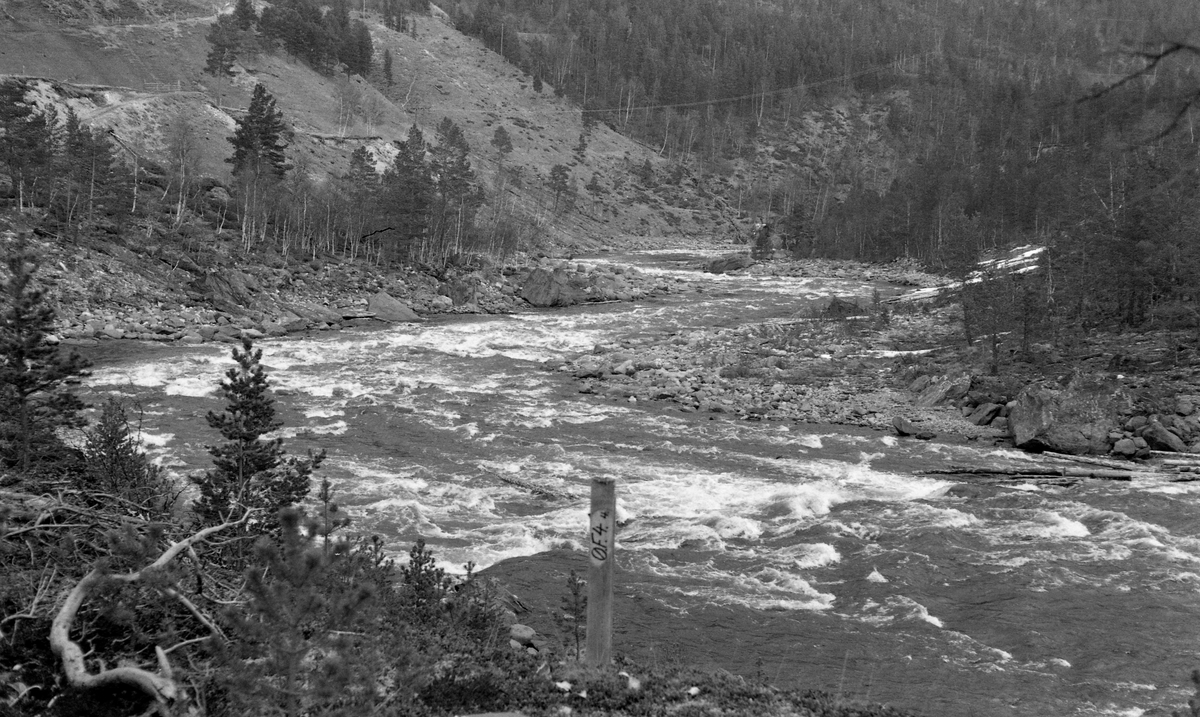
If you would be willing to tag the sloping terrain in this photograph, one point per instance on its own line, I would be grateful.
(142, 77)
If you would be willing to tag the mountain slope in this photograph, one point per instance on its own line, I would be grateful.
(143, 78)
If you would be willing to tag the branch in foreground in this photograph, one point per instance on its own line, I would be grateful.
(160, 685)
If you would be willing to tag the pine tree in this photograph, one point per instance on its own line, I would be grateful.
(407, 190)
(244, 16)
(260, 138)
(35, 377)
(27, 141)
(387, 68)
(502, 142)
(250, 471)
(360, 49)
(304, 636)
(537, 83)
(223, 37)
(456, 198)
(560, 183)
(116, 465)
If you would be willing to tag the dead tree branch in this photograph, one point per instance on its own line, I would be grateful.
(160, 685)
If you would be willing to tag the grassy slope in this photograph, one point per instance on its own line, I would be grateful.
(102, 69)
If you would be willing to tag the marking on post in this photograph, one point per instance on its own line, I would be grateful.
(601, 542)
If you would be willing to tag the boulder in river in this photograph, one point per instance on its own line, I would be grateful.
(1161, 439)
(545, 288)
(388, 308)
(905, 427)
(729, 262)
(315, 312)
(1074, 420)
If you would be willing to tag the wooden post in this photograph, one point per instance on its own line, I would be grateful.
(602, 526)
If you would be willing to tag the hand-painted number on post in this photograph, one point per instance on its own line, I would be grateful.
(601, 536)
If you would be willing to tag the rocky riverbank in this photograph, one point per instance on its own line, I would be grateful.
(105, 290)
(899, 367)
(903, 367)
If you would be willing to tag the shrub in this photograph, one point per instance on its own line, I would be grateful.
(118, 472)
(35, 377)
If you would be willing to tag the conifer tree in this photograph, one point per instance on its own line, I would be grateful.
(304, 641)
(502, 142)
(455, 196)
(387, 68)
(117, 465)
(35, 377)
(560, 183)
(244, 16)
(407, 190)
(27, 141)
(223, 39)
(250, 471)
(260, 138)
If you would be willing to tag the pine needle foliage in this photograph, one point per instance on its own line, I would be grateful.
(250, 471)
(260, 138)
(299, 652)
(36, 378)
(116, 466)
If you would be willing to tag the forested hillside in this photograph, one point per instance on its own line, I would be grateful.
(1006, 123)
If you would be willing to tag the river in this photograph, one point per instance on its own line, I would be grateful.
(815, 555)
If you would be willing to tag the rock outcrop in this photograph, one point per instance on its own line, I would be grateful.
(544, 288)
(943, 390)
(1075, 420)
(727, 263)
(388, 308)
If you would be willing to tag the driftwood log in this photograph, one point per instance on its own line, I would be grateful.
(160, 684)
(1036, 472)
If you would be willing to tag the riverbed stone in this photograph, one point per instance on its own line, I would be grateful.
(388, 308)
(1160, 438)
(1125, 447)
(545, 288)
(984, 413)
(944, 390)
(727, 263)
(1074, 420)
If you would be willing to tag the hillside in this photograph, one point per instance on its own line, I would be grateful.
(139, 78)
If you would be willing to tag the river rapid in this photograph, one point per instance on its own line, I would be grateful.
(815, 555)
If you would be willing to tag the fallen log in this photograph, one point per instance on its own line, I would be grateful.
(1187, 462)
(534, 488)
(1034, 471)
(1106, 462)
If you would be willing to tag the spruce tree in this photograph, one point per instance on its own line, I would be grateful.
(408, 190)
(387, 68)
(502, 142)
(250, 471)
(117, 465)
(223, 37)
(244, 16)
(455, 197)
(27, 141)
(260, 138)
(36, 378)
(560, 183)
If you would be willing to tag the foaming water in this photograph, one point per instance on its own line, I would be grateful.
(456, 432)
